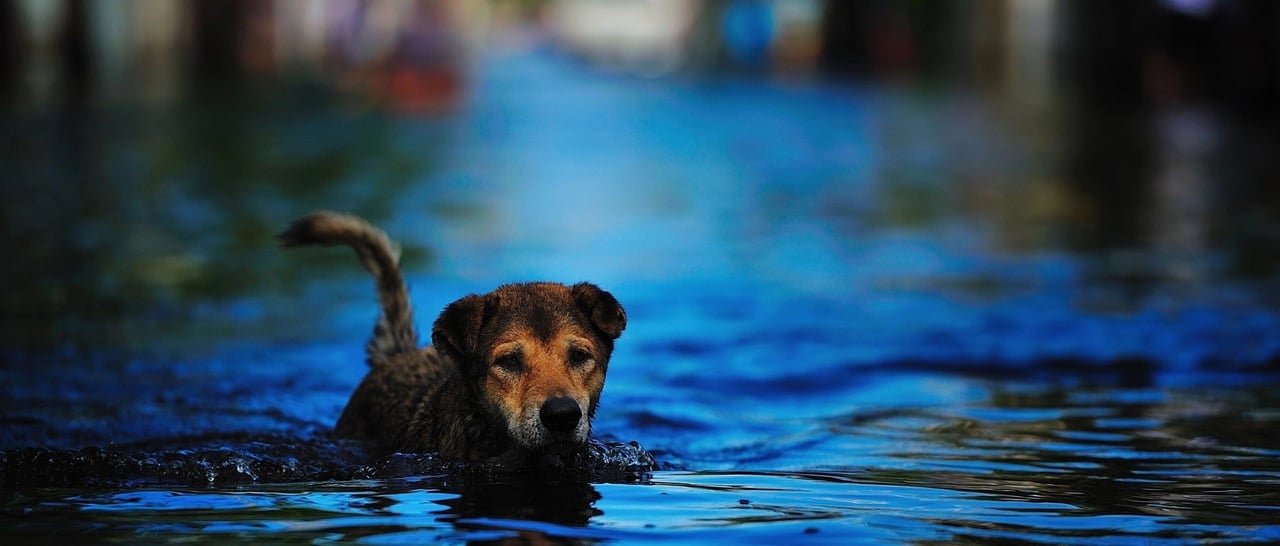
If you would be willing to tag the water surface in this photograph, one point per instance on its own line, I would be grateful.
(856, 314)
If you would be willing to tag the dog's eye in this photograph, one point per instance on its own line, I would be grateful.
(511, 362)
(579, 357)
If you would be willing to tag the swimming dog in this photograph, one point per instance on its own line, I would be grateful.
(510, 375)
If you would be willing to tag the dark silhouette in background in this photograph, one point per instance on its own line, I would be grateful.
(75, 54)
(217, 36)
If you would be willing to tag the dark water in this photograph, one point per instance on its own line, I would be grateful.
(856, 314)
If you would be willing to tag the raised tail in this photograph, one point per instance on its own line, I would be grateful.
(394, 332)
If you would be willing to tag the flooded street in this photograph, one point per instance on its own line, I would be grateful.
(856, 313)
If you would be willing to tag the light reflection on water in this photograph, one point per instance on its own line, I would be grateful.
(855, 315)
(824, 506)
(978, 460)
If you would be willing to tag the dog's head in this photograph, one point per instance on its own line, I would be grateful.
(536, 354)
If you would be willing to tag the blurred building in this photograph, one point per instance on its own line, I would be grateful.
(409, 52)
(415, 53)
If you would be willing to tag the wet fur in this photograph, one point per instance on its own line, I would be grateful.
(462, 396)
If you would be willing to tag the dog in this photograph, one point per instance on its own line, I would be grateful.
(511, 375)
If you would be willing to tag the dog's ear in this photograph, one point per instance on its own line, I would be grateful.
(456, 332)
(605, 312)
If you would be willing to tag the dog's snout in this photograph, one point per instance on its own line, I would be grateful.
(560, 414)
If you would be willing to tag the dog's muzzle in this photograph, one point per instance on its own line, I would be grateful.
(560, 414)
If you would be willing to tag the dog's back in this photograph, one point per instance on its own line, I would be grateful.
(407, 401)
(386, 408)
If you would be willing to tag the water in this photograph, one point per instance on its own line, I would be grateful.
(856, 314)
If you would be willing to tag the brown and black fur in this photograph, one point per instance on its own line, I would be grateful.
(502, 367)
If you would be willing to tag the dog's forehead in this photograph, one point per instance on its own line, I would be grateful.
(543, 310)
(532, 290)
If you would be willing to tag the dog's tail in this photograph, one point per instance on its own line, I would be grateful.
(394, 332)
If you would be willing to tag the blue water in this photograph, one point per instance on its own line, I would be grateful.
(856, 314)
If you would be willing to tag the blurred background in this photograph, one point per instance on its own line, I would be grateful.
(1018, 260)
(1118, 157)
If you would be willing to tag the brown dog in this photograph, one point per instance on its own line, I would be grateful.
(512, 373)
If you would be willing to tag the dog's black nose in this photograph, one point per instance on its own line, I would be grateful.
(560, 414)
